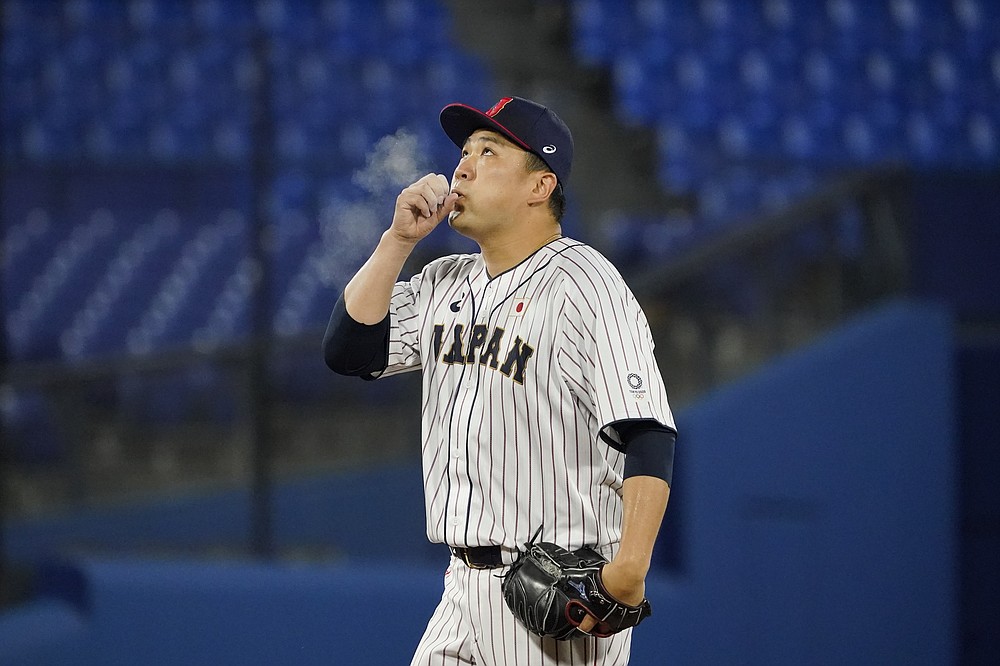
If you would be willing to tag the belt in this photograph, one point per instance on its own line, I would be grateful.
(480, 557)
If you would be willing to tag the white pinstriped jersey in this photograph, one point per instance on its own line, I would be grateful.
(522, 373)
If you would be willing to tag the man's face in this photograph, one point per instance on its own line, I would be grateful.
(492, 182)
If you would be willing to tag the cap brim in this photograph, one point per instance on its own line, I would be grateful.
(459, 121)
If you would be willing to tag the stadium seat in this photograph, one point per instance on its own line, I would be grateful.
(600, 28)
(96, 329)
(724, 84)
(183, 295)
(983, 135)
(38, 316)
(229, 319)
(835, 84)
(28, 241)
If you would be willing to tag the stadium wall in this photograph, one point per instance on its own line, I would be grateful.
(814, 511)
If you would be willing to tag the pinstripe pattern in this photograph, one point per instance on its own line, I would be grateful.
(523, 373)
(471, 625)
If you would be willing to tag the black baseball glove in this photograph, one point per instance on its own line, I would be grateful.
(551, 590)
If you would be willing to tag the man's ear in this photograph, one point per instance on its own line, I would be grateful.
(545, 183)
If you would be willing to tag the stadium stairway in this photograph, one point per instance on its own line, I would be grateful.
(527, 46)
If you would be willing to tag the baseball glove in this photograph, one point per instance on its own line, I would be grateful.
(551, 590)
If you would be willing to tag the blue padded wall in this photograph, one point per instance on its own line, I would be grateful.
(817, 526)
(43, 632)
(819, 515)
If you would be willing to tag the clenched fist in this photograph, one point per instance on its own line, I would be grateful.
(421, 207)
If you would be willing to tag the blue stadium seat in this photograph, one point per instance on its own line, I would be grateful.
(729, 197)
(863, 143)
(231, 141)
(99, 83)
(639, 89)
(229, 318)
(351, 29)
(289, 236)
(185, 294)
(207, 278)
(678, 157)
(98, 327)
(832, 85)
(37, 318)
(450, 75)
(291, 140)
(297, 307)
(983, 136)
(159, 15)
(217, 17)
(28, 245)
(925, 145)
(293, 189)
(286, 18)
(635, 240)
(977, 22)
(600, 29)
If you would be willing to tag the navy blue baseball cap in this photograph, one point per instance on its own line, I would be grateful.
(527, 124)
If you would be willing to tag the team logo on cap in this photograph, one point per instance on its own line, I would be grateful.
(549, 149)
(498, 107)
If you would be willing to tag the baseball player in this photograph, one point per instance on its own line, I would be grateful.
(543, 408)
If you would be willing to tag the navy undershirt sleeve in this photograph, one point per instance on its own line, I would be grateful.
(355, 349)
(649, 448)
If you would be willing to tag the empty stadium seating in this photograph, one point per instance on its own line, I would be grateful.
(795, 90)
(94, 84)
(147, 145)
(119, 239)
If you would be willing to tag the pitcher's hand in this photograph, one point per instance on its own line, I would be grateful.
(421, 207)
(626, 588)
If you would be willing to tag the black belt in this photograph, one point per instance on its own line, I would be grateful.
(480, 557)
